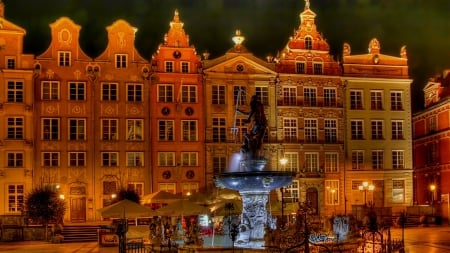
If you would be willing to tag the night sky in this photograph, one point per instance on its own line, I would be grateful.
(422, 25)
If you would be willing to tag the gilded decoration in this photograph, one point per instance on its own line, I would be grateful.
(65, 37)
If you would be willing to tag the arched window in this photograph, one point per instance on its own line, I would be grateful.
(308, 43)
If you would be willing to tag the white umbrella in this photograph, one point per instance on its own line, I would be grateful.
(160, 197)
(126, 208)
(182, 207)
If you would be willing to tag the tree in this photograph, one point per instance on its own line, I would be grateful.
(44, 206)
(127, 194)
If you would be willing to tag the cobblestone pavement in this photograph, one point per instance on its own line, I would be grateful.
(46, 247)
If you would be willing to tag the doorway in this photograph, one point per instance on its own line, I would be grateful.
(78, 209)
(312, 198)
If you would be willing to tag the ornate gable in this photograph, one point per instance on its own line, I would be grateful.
(176, 36)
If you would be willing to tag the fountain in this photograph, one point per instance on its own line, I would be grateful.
(250, 177)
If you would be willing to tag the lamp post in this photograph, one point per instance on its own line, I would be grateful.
(433, 191)
(333, 195)
(233, 230)
(365, 186)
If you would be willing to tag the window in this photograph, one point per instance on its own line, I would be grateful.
(110, 159)
(15, 91)
(15, 159)
(189, 130)
(331, 162)
(110, 130)
(166, 159)
(167, 187)
(50, 159)
(397, 129)
(134, 92)
(398, 191)
(219, 164)
(168, 66)
(292, 162)
(311, 162)
(135, 159)
(16, 196)
(10, 62)
(318, 68)
(300, 67)
(398, 161)
(311, 130)
(290, 129)
(50, 129)
(135, 129)
(330, 131)
(189, 188)
(377, 159)
(64, 58)
(376, 102)
(137, 187)
(50, 90)
(218, 94)
(77, 91)
(357, 129)
(357, 159)
(189, 94)
(377, 129)
(165, 130)
(329, 96)
(396, 101)
(121, 61)
(189, 158)
(308, 42)
(292, 191)
(356, 100)
(219, 130)
(239, 95)
(241, 131)
(184, 67)
(332, 192)
(310, 96)
(109, 187)
(15, 128)
(77, 129)
(263, 94)
(109, 92)
(289, 96)
(165, 93)
(432, 124)
(77, 159)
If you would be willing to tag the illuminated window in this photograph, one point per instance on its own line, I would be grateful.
(377, 159)
(50, 129)
(77, 91)
(15, 91)
(77, 159)
(165, 93)
(318, 68)
(134, 92)
(300, 68)
(356, 100)
(308, 43)
(290, 129)
(263, 93)
(166, 130)
(377, 129)
(398, 191)
(110, 159)
(15, 128)
(189, 94)
(50, 159)
(135, 159)
(167, 187)
(109, 92)
(110, 129)
(189, 188)
(311, 130)
(292, 162)
(15, 159)
(219, 130)
(184, 67)
(289, 96)
(312, 162)
(398, 159)
(16, 196)
(64, 58)
(376, 102)
(310, 96)
(219, 164)
(189, 158)
(330, 131)
(135, 129)
(292, 191)
(10, 62)
(77, 129)
(218, 94)
(50, 90)
(331, 192)
(356, 127)
(241, 124)
(357, 159)
(168, 66)
(189, 130)
(239, 95)
(166, 159)
(331, 162)
(137, 187)
(397, 129)
(329, 96)
(396, 101)
(121, 61)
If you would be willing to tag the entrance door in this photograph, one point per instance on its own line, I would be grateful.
(378, 193)
(312, 197)
(78, 209)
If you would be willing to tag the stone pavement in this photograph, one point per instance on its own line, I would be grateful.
(47, 247)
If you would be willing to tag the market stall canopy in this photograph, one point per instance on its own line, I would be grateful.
(126, 208)
(200, 198)
(183, 207)
(160, 197)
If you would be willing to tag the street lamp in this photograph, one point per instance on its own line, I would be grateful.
(366, 187)
(433, 191)
(233, 229)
